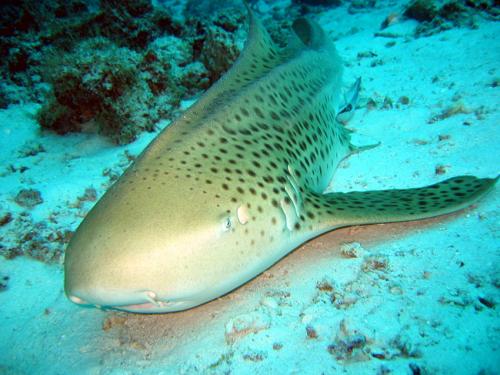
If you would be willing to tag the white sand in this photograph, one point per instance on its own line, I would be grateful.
(421, 307)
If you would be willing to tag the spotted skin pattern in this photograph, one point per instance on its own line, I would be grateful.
(235, 184)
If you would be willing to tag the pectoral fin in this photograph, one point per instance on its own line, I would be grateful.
(346, 110)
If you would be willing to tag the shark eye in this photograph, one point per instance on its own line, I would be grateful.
(227, 224)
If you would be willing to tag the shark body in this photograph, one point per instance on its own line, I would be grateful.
(236, 184)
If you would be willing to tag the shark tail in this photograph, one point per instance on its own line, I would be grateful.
(369, 207)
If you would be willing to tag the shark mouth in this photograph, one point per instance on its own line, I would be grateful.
(160, 306)
(152, 304)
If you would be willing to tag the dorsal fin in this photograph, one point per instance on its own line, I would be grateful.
(259, 56)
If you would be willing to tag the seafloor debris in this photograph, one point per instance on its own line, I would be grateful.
(113, 321)
(405, 347)
(324, 286)
(348, 345)
(495, 82)
(11, 168)
(4, 282)
(486, 302)
(419, 142)
(390, 20)
(456, 108)
(277, 346)
(89, 195)
(351, 345)
(31, 149)
(404, 100)
(224, 359)
(245, 324)
(441, 169)
(39, 240)
(382, 102)
(255, 355)
(275, 300)
(388, 103)
(415, 369)
(311, 332)
(384, 370)
(28, 198)
(5, 219)
(366, 54)
(340, 298)
(457, 297)
(444, 137)
(375, 263)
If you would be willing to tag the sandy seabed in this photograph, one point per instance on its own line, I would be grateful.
(393, 298)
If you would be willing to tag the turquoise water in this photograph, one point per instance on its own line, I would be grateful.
(85, 88)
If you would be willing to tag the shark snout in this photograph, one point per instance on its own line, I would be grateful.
(139, 301)
(106, 297)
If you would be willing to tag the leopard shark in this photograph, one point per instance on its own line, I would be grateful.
(236, 183)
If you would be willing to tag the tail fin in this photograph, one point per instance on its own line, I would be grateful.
(344, 209)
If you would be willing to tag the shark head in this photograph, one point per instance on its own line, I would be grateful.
(156, 246)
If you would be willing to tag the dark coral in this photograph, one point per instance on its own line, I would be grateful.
(39, 39)
(28, 198)
(208, 10)
(104, 57)
(16, 17)
(454, 13)
(114, 66)
(23, 25)
(105, 87)
(218, 52)
(421, 10)
(357, 6)
(127, 23)
(334, 3)
(214, 26)
(134, 23)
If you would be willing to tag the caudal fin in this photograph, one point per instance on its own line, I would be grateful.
(344, 209)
